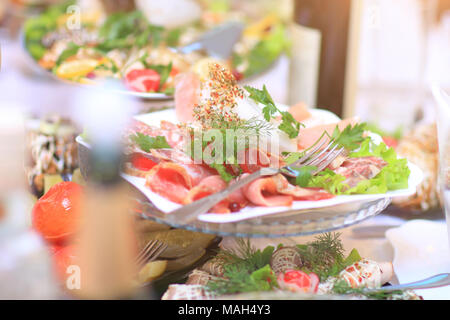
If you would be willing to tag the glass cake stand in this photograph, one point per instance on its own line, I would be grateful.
(285, 224)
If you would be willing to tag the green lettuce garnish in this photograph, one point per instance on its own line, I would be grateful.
(393, 176)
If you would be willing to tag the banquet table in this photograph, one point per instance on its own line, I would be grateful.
(415, 256)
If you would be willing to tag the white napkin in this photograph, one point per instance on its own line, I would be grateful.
(421, 250)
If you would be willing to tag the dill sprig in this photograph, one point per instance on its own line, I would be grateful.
(343, 288)
(217, 120)
(246, 269)
(324, 256)
(245, 256)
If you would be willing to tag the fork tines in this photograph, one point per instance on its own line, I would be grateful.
(319, 156)
(150, 252)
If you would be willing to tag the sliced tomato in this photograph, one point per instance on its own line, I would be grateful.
(390, 142)
(143, 80)
(141, 162)
(296, 280)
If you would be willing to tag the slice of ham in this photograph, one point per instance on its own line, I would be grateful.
(211, 185)
(359, 169)
(308, 136)
(175, 137)
(187, 92)
(264, 192)
(300, 112)
(174, 181)
(169, 180)
(277, 191)
(207, 187)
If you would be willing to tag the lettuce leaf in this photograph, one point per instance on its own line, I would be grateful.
(393, 176)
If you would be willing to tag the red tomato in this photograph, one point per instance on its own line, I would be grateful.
(143, 80)
(262, 160)
(141, 162)
(56, 215)
(174, 72)
(63, 259)
(390, 142)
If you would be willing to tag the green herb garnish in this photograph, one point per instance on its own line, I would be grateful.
(146, 143)
(173, 37)
(304, 175)
(71, 50)
(265, 52)
(164, 72)
(37, 27)
(324, 256)
(343, 288)
(246, 269)
(351, 137)
(288, 124)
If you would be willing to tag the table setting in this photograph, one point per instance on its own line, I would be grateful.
(162, 154)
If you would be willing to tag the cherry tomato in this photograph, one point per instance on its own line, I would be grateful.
(141, 162)
(56, 215)
(143, 80)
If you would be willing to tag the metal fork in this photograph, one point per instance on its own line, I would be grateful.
(152, 250)
(435, 281)
(318, 157)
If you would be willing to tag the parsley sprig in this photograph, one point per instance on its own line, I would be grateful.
(146, 143)
(288, 124)
(351, 137)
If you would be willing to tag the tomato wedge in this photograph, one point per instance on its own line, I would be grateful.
(296, 280)
(143, 80)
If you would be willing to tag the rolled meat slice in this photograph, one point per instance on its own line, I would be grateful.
(367, 274)
(362, 274)
(265, 192)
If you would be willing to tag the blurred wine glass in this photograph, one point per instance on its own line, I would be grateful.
(443, 126)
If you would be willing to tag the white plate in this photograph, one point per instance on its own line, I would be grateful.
(324, 117)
